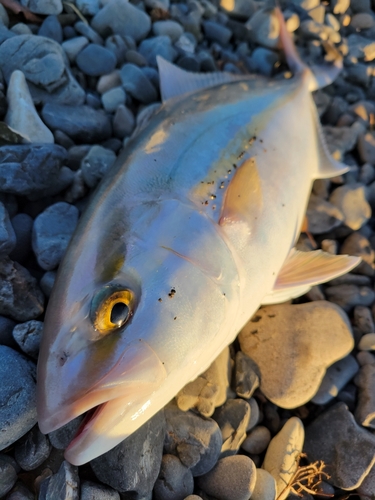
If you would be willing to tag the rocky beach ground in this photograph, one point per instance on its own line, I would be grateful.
(289, 408)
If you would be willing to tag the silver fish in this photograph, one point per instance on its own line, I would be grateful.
(190, 232)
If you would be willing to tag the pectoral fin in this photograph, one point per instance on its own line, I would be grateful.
(302, 270)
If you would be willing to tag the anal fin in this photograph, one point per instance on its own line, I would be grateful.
(302, 270)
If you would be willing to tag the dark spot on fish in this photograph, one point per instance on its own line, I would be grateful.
(213, 196)
(260, 140)
(206, 202)
(252, 140)
(283, 204)
(240, 155)
(213, 207)
(229, 171)
(222, 185)
(160, 299)
(234, 165)
(254, 332)
(256, 318)
(175, 318)
(271, 315)
(172, 293)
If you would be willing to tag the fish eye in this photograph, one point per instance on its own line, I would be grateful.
(111, 308)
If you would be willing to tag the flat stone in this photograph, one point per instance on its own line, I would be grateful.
(17, 392)
(232, 478)
(7, 234)
(301, 341)
(168, 28)
(27, 169)
(209, 390)
(85, 30)
(20, 296)
(96, 164)
(195, 440)
(42, 61)
(113, 98)
(64, 484)
(88, 7)
(122, 18)
(93, 491)
(348, 296)
(74, 46)
(351, 201)
(81, 123)
(52, 231)
(335, 379)
(257, 440)
(32, 449)
(265, 486)
(138, 475)
(322, 216)
(264, 28)
(175, 480)
(137, 84)
(282, 455)
(329, 437)
(95, 60)
(341, 140)
(45, 7)
(157, 46)
(123, 122)
(216, 32)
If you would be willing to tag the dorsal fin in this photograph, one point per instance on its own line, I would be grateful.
(175, 81)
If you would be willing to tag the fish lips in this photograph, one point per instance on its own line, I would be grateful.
(137, 374)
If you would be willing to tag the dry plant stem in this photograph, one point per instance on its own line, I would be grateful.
(76, 11)
(307, 479)
(16, 7)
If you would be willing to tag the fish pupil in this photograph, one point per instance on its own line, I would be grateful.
(119, 313)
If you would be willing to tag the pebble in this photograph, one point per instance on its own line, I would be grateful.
(233, 419)
(348, 296)
(86, 31)
(264, 28)
(216, 32)
(108, 82)
(174, 481)
(327, 439)
(366, 147)
(6, 332)
(257, 440)
(281, 459)
(367, 342)
(51, 28)
(22, 225)
(81, 123)
(254, 414)
(45, 7)
(341, 140)
(263, 61)
(168, 28)
(302, 340)
(362, 21)
(7, 234)
(123, 122)
(134, 464)
(47, 281)
(232, 478)
(32, 449)
(117, 45)
(322, 216)
(20, 296)
(95, 60)
(357, 244)
(60, 438)
(239, 9)
(64, 484)
(22, 115)
(42, 61)
(96, 164)
(122, 18)
(112, 99)
(137, 84)
(93, 491)
(157, 46)
(8, 475)
(28, 336)
(195, 440)
(209, 390)
(365, 410)
(351, 201)
(17, 388)
(265, 486)
(88, 7)
(52, 231)
(74, 46)
(335, 379)
(246, 376)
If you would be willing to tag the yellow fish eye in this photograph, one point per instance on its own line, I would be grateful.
(111, 309)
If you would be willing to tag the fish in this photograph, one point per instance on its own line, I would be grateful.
(193, 228)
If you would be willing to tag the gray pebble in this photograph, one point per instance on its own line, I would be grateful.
(365, 410)
(85, 30)
(137, 84)
(88, 7)
(217, 32)
(134, 57)
(6, 332)
(112, 99)
(232, 478)
(20, 492)
(74, 46)
(27, 169)
(7, 234)
(264, 28)
(51, 28)
(123, 122)
(157, 46)
(117, 45)
(257, 440)
(76, 155)
(9, 201)
(64, 484)
(122, 18)
(247, 379)
(45, 7)
(28, 336)
(138, 474)
(108, 82)
(8, 476)
(349, 296)
(47, 282)
(195, 440)
(17, 388)
(60, 438)
(175, 480)
(43, 64)
(32, 449)
(81, 123)
(20, 296)
(322, 215)
(366, 147)
(168, 28)
(239, 9)
(52, 231)
(96, 164)
(232, 418)
(93, 491)
(255, 416)
(22, 225)
(95, 60)
(190, 63)
(262, 61)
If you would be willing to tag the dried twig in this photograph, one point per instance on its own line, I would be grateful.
(16, 7)
(76, 11)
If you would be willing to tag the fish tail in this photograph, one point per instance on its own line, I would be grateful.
(317, 76)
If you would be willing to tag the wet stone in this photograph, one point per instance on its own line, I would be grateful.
(139, 474)
(137, 84)
(93, 491)
(335, 379)
(22, 225)
(96, 164)
(246, 377)
(232, 478)
(81, 123)
(29, 169)
(28, 336)
(32, 450)
(7, 234)
(328, 438)
(232, 418)
(52, 231)
(195, 440)
(17, 388)
(175, 480)
(20, 296)
(64, 484)
(348, 296)
(8, 476)
(95, 60)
